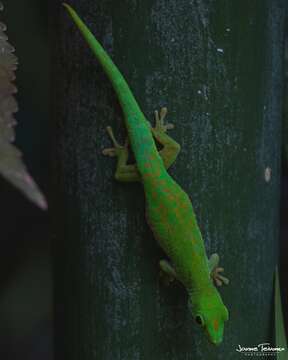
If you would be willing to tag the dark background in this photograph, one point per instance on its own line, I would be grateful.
(25, 258)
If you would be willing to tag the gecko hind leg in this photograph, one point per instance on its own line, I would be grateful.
(167, 272)
(215, 271)
(171, 148)
(124, 172)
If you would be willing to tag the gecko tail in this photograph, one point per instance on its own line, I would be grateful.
(121, 87)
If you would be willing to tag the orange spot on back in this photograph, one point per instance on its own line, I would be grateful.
(216, 325)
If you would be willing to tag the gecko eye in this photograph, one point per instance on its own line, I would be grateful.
(199, 320)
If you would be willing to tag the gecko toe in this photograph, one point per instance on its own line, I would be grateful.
(109, 152)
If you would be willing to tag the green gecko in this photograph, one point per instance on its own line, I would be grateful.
(169, 211)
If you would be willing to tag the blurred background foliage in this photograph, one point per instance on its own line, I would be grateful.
(25, 262)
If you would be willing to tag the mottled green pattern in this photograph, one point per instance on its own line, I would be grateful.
(168, 208)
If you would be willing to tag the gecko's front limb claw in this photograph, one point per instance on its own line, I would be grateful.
(171, 148)
(124, 172)
(159, 121)
(167, 273)
(215, 271)
(117, 147)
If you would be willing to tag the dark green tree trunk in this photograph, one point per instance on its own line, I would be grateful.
(217, 66)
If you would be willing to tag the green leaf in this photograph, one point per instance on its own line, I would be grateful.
(12, 166)
(280, 335)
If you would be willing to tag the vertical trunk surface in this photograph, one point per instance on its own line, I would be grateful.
(217, 66)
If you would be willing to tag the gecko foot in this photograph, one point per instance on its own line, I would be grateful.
(117, 147)
(167, 273)
(159, 121)
(215, 271)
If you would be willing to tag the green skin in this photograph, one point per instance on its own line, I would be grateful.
(169, 211)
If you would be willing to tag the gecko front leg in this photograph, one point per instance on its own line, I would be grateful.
(171, 148)
(215, 271)
(129, 172)
(124, 172)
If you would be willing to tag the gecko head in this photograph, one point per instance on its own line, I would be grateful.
(210, 313)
